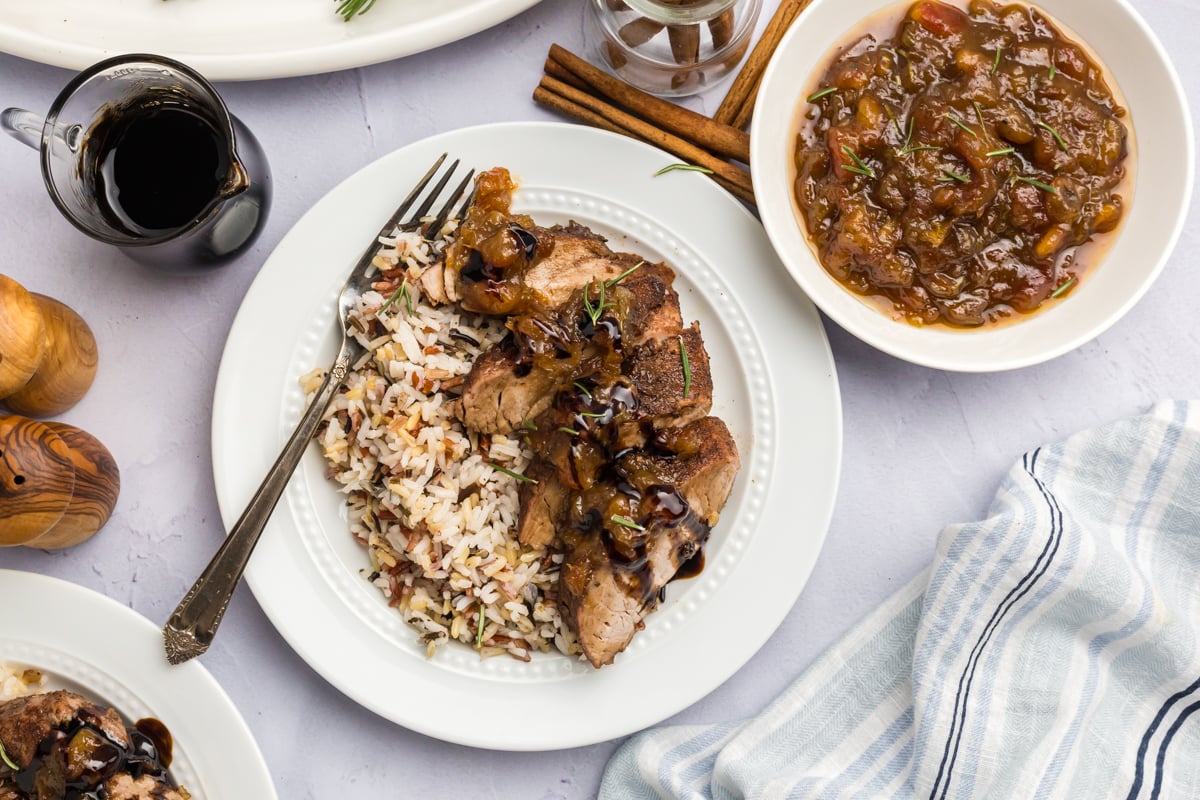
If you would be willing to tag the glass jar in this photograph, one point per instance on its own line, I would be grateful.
(670, 47)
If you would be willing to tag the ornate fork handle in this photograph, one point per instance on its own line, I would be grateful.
(192, 627)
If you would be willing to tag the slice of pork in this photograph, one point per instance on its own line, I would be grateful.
(605, 603)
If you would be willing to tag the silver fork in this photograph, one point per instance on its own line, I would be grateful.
(192, 627)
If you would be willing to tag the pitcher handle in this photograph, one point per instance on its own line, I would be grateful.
(24, 126)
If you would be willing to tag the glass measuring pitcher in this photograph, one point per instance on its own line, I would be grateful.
(140, 152)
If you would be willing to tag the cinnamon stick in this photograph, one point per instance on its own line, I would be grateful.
(721, 28)
(564, 106)
(723, 140)
(745, 86)
(685, 43)
(612, 116)
(557, 70)
(640, 31)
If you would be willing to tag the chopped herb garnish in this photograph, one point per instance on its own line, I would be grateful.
(996, 63)
(594, 310)
(592, 415)
(1001, 152)
(1054, 133)
(569, 431)
(918, 149)
(529, 425)
(1045, 187)
(961, 124)
(687, 368)
(511, 474)
(583, 389)
(1053, 71)
(815, 97)
(624, 274)
(626, 522)
(683, 168)
(956, 176)
(1060, 291)
(401, 292)
(892, 116)
(481, 628)
(862, 168)
(908, 138)
(8, 761)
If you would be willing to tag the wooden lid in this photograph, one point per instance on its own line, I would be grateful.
(37, 479)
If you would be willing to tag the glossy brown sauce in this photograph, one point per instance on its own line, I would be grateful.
(962, 167)
(90, 757)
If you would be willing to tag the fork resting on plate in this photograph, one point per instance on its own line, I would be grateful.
(192, 626)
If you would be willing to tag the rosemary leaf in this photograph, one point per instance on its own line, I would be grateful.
(862, 167)
(349, 8)
(956, 176)
(1054, 133)
(683, 168)
(8, 761)
(1045, 187)
(624, 274)
(626, 522)
(961, 124)
(918, 149)
(687, 368)
(1053, 71)
(996, 63)
(1001, 152)
(481, 628)
(511, 474)
(817, 96)
(569, 431)
(583, 389)
(1060, 291)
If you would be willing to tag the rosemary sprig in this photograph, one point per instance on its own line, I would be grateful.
(8, 761)
(511, 474)
(996, 63)
(1060, 291)
(687, 368)
(626, 522)
(683, 168)
(583, 389)
(961, 124)
(860, 167)
(401, 292)
(625, 274)
(954, 176)
(481, 628)
(812, 98)
(1054, 133)
(1004, 151)
(349, 8)
(1045, 187)
(594, 310)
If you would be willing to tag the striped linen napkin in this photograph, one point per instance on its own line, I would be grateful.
(1051, 651)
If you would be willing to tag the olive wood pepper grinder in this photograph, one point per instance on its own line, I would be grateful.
(58, 484)
(48, 355)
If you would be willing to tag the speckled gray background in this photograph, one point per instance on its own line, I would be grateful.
(922, 448)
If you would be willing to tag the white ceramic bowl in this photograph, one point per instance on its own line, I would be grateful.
(1162, 172)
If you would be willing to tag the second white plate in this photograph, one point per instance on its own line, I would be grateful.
(775, 387)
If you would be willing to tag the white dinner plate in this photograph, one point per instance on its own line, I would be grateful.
(775, 387)
(93, 645)
(232, 40)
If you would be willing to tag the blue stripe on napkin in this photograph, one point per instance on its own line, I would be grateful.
(1051, 651)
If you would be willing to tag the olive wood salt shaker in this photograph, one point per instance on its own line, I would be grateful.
(58, 484)
(48, 355)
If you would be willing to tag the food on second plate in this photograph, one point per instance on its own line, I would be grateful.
(527, 446)
(955, 168)
(61, 746)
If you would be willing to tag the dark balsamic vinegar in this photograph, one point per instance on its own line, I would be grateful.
(159, 167)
